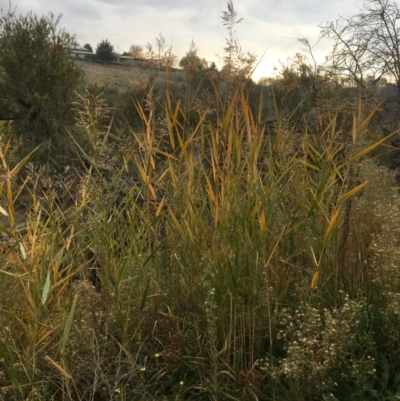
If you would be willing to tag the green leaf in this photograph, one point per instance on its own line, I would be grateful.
(144, 297)
(68, 325)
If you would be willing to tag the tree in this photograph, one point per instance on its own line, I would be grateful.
(191, 62)
(366, 46)
(88, 47)
(38, 75)
(105, 51)
(136, 51)
(212, 66)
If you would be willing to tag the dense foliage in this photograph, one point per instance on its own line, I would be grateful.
(105, 51)
(38, 77)
(212, 239)
(88, 47)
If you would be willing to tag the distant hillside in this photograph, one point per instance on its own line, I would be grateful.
(120, 77)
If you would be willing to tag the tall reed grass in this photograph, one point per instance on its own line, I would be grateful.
(206, 261)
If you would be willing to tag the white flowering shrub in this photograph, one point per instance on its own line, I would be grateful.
(377, 215)
(322, 349)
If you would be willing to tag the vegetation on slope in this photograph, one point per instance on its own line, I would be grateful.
(221, 241)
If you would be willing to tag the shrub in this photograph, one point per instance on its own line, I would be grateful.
(105, 51)
(39, 78)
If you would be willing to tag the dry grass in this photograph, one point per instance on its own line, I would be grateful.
(111, 75)
(120, 78)
(210, 268)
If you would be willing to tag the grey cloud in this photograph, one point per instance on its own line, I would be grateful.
(83, 12)
(170, 4)
(289, 12)
(74, 10)
(162, 4)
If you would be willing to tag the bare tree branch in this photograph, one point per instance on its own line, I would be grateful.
(366, 47)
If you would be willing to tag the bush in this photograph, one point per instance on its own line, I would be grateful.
(104, 51)
(39, 78)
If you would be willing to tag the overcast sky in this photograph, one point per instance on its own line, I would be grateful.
(269, 27)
